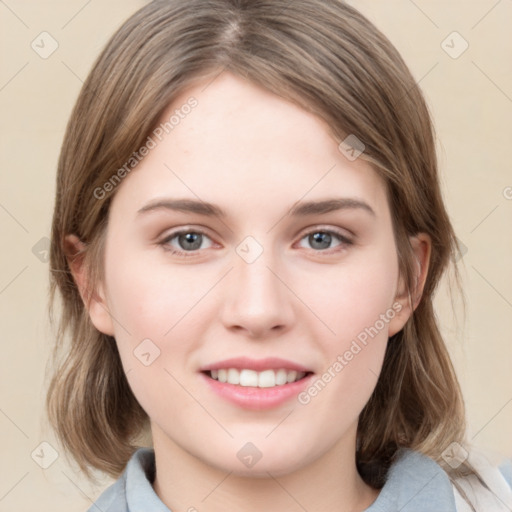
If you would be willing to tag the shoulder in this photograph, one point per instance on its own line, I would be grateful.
(416, 483)
(489, 488)
(112, 499)
(133, 490)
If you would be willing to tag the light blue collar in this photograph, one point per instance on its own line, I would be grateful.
(415, 483)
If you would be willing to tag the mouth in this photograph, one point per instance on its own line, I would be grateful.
(256, 384)
(257, 379)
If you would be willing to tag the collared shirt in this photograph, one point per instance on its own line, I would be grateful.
(415, 483)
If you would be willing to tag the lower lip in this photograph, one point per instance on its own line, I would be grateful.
(257, 398)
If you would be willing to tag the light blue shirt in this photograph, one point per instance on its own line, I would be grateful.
(415, 483)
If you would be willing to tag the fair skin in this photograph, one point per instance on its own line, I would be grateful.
(255, 156)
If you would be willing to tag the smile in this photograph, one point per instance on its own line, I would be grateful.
(256, 384)
(252, 378)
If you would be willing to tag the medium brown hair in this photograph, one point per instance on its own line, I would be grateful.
(327, 58)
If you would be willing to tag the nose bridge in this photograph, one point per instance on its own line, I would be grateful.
(258, 300)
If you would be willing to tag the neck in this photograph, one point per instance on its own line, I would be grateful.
(187, 484)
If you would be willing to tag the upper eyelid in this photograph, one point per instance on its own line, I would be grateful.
(179, 231)
(310, 229)
(336, 230)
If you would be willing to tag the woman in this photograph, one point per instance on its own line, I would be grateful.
(247, 236)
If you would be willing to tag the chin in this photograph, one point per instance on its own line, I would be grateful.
(251, 461)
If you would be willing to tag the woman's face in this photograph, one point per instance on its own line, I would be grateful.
(246, 246)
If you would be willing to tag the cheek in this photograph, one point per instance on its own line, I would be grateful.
(353, 297)
(151, 300)
(153, 308)
(154, 311)
(358, 306)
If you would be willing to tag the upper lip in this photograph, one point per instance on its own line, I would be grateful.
(269, 363)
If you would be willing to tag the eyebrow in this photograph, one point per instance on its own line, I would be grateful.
(299, 209)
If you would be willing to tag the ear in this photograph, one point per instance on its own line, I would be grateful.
(407, 300)
(94, 300)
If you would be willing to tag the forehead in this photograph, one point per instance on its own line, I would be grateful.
(245, 147)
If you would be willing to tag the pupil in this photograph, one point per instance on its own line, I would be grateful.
(194, 239)
(324, 239)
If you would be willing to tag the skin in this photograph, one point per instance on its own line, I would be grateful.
(254, 155)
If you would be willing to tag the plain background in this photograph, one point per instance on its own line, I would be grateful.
(471, 100)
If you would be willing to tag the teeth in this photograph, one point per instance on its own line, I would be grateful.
(233, 376)
(292, 376)
(247, 378)
(251, 378)
(267, 379)
(281, 377)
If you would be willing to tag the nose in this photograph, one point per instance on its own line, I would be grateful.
(258, 302)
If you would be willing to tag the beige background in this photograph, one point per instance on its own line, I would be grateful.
(471, 100)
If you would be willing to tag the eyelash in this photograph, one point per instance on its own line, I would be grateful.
(344, 241)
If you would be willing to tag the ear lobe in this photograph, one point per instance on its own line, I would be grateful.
(421, 245)
(94, 299)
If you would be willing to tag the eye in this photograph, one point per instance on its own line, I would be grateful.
(188, 242)
(185, 242)
(321, 239)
